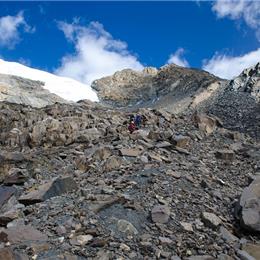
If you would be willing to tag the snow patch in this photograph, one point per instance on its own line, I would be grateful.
(66, 88)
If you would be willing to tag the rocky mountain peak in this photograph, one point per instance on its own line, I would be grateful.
(248, 81)
(151, 87)
(150, 71)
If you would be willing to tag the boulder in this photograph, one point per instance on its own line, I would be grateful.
(174, 174)
(23, 234)
(160, 214)
(9, 216)
(10, 211)
(130, 152)
(112, 163)
(16, 176)
(102, 153)
(186, 226)
(81, 240)
(126, 227)
(12, 157)
(51, 189)
(225, 154)
(249, 206)
(227, 235)
(5, 194)
(81, 163)
(181, 141)
(205, 123)
(210, 220)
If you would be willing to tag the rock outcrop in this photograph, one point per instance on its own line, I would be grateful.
(238, 104)
(19, 90)
(248, 81)
(172, 87)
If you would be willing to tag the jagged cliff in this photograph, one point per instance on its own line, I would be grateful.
(238, 103)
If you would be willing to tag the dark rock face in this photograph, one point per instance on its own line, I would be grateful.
(5, 194)
(53, 188)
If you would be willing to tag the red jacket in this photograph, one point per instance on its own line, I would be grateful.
(131, 127)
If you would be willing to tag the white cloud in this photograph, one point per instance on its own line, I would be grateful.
(9, 29)
(178, 59)
(97, 53)
(237, 9)
(228, 67)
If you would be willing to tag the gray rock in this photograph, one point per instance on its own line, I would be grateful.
(130, 152)
(9, 254)
(16, 176)
(5, 194)
(205, 123)
(225, 154)
(112, 163)
(227, 236)
(81, 240)
(126, 227)
(160, 214)
(186, 226)
(250, 206)
(210, 220)
(25, 91)
(243, 255)
(224, 257)
(51, 189)
(175, 257)
(180, 141)
(23, 234)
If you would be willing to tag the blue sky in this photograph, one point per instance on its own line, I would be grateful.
(85, 40)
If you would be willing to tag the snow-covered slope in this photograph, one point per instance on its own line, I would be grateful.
(66, 88)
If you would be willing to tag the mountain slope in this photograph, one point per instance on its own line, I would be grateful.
(238, 104)
(66, 88)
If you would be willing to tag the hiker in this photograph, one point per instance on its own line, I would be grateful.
(131, 127)
(138, 121)
(132, 118)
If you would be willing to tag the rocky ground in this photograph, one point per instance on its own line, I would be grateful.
(77, 185)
